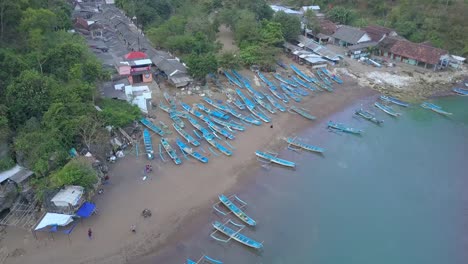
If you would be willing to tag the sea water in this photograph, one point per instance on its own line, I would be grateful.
(396, 194)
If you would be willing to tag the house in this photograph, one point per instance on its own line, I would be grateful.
(311, 45)
(378, 33)
(361, 50)
(136, 67)
(326, 29)
(348, 36)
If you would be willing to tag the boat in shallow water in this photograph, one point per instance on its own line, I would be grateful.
(148, 144)
(343, 128)
(183, 147)
(460, 91)
(170, 151)
(301, 145)
(393, 100)
(236, 235)
(186, 135)
(368, 116)
(301, 112)
(387, 109)
(435, 108)
(204, 259)
(274, 159)
(235, 209)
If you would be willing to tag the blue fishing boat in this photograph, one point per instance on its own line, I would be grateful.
(301, 145)
(232, 79)
(460, 91)
(250, 120)
(275, 103)
(265, 105)
(368, 116)
(210, 138)
(238, 75)
(235, 209)
(152, 127)
(387, 109)
(289, 93)
(148, 144)
(281, 64)
(170, 100)
(245, 99)
(435, 108)
(300, 73)
(170, 151)
(253, 92)
(283, 80)
(324, 78)
(186, 135)
(273, 159)
(332, 76)
(186, 107)
(343, 128)
(216, 104)
(278, 94)
(164, 107)
(204, 259)
(229, 125)
(183, 147)
(236, 235)
(221, 131)
(258, 113)
(299, 91)
(301, 112)
(215, 113)
(264, 79)
(393, 100)
(303, 84)
(175, 117)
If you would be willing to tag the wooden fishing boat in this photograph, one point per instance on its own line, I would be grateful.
(252, 91)
(258, 113)
(232, 79)
(221, 131)
(324, 78)
(164, 107)
(186, 135)
(183, 147)
(186, 107)
(301, 112)
(275, 103)
(289, 93)
(300, 91)
(175, 117)
(233, 208)
(215, 113)
(170, 151)
(303, 84)
(170, 100)
(387, 109)
(228, 124)
(435, 108)
(238, 103)
(152, 127)
(215, 104)
(274, 159)
(332, 76)
(204, 259)
(300, 73)
(283, 80)
(460, 91)
(343, 128)
(368, 116)
(274, 90)
(301, 145)
(148, 144)
(245, 99)
(393, 100)
(236, 235)
(265, 105)
(250, 120)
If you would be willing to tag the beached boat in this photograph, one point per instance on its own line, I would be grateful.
(152, 127)
(204, 259)
(221, 131)
(236, 235)
(300, 73)
(460, 91)
(164, 107)
(323, 77)
(300, 91)
(435, 108)
(343, 128)
(186, 107)
(301, 112)
(148, 144)
(274, 159)
(235, 209)
(275, 103)
(265, 105)
(368, 116)
(186, 135)
(303, 83)
(283, 80)
(258, 113)
(245, 99)
(215, 113)
(332, 76)
(216, 105)
(183, 147)
(170, 100)
(292, 95)
(176, 118)
(232, 79)
(301, 145)
(393, 100)
(274, 90)
(210, 138)
(170, 151)
(387, 109)
(229, 125)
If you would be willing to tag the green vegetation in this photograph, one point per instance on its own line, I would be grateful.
(77, 172)
(118, 113)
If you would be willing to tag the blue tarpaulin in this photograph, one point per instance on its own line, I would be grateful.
(86, 210)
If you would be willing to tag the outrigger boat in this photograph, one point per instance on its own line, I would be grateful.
(285, 81)
(324, 78)
(301, 145)
(435, 108)
(274, 159)
(301, 112)
(186, 135)
(176, 118)
(289, 93)
(221, 131)
(368, 116)
(170, 100)
(228, 125)
(387, 109)
(236, 235)
(215, 104)
(300, 73)
(236, 101)
(164, 107)
(152, 127)
(393, 100)
(303, 84)
(148, 144)
(278, 94)
(258, 113)
(265, 105)
(460, 91)
(252, 91)
(332, 76)
(232, 79)
(170, 151)
(343, 128)
(184, 148)
(275, 103)
(215, 113)
(204, 259)
(209, 137)
(236, 210)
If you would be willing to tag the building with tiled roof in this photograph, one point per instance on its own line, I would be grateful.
(378, 33)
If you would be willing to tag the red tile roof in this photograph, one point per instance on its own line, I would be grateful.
(417, 51)
(81, 23)
(377, 32)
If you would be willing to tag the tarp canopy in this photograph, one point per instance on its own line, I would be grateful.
(51, 219)
(86, 210)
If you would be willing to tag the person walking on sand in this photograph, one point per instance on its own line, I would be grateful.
(133, 228)
(90, 233)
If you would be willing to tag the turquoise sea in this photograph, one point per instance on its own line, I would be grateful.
(396, 194)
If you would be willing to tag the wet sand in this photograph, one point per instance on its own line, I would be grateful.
(178, 196)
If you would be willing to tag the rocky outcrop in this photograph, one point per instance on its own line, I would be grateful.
(8, 195)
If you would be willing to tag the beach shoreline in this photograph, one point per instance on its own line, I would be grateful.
(179, 197)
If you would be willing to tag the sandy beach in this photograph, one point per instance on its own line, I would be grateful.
(178, 196)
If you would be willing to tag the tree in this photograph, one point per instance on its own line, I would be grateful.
(9, 11)
(78, 171)
(311, 21)
(246, 29)
(342, 15)
(11, 65)
(229, 60)
(263, 56)
(200, 65)
(271, 33)
(41, 19)
(118, 113)
(290, 25)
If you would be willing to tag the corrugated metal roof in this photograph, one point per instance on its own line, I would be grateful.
(17, 174)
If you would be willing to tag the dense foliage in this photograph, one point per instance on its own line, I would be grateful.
(77, 172)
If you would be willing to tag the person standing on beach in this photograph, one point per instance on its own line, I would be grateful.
(90, 233)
